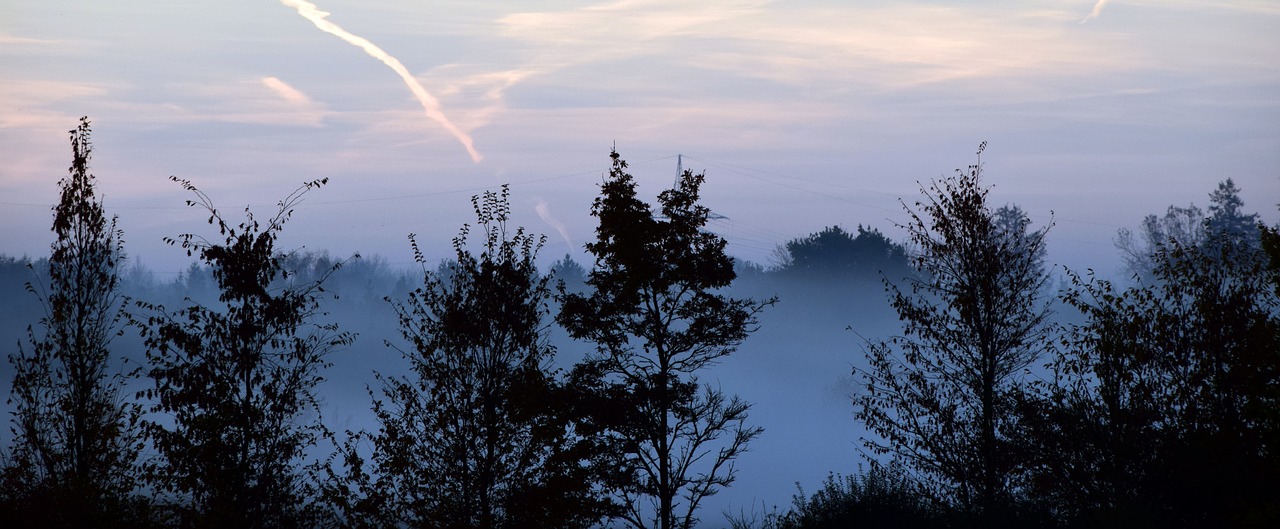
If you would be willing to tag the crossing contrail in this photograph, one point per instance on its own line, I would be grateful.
(430, 104)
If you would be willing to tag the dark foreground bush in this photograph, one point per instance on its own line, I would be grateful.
(869, 499)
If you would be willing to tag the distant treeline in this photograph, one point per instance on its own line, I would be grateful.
(1157, 406)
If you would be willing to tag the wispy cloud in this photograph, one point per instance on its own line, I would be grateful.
(288, 93)
(259, 101)
(544, 212)
(1097, 10)
(821, 50)
(14, 40)
(43, 103)
(1261, 7)
(301, 108)
(558, 40)
(889, 46)
(430, 104)
(627, 25)
(486, 90)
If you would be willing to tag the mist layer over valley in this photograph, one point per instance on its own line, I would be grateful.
(938, 378)
(795, 370)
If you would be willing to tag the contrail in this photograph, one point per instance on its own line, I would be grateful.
(1097, 10)
(289, 93)
(429, 103)
(545, 213)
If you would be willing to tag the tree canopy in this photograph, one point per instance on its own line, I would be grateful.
(481, 435)
(232, 383)
(654, 311)
(77, 440)
(939, 397)
(834, 252)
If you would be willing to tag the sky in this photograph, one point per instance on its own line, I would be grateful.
(802, 114)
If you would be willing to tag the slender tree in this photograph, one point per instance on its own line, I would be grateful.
(654, 312)
(234, 409)
(939, 398)
(76, 439)
(480, 435)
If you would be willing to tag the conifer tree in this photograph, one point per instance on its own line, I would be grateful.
(654, 309)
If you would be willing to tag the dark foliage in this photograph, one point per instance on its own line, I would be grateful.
(76, 442)
(233, 409)
(1166, 410)
(835, 253)
(1184, 225)
(1226, 215)
(1160, 406)
(653, 311)
(939, 398)
(881, 497)
(569, 275)
(1270, 243)
(878, 498)
(482, 434)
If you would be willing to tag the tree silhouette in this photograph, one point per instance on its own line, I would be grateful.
(1270, 243)
(1187, 227)
(76, 443)
(1088, 434)
(1226, 215)
(834, 252)
(569, 274)
(1165, 410)
(939, 397)
(233, 383)
(480, 435)
(653, 311)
